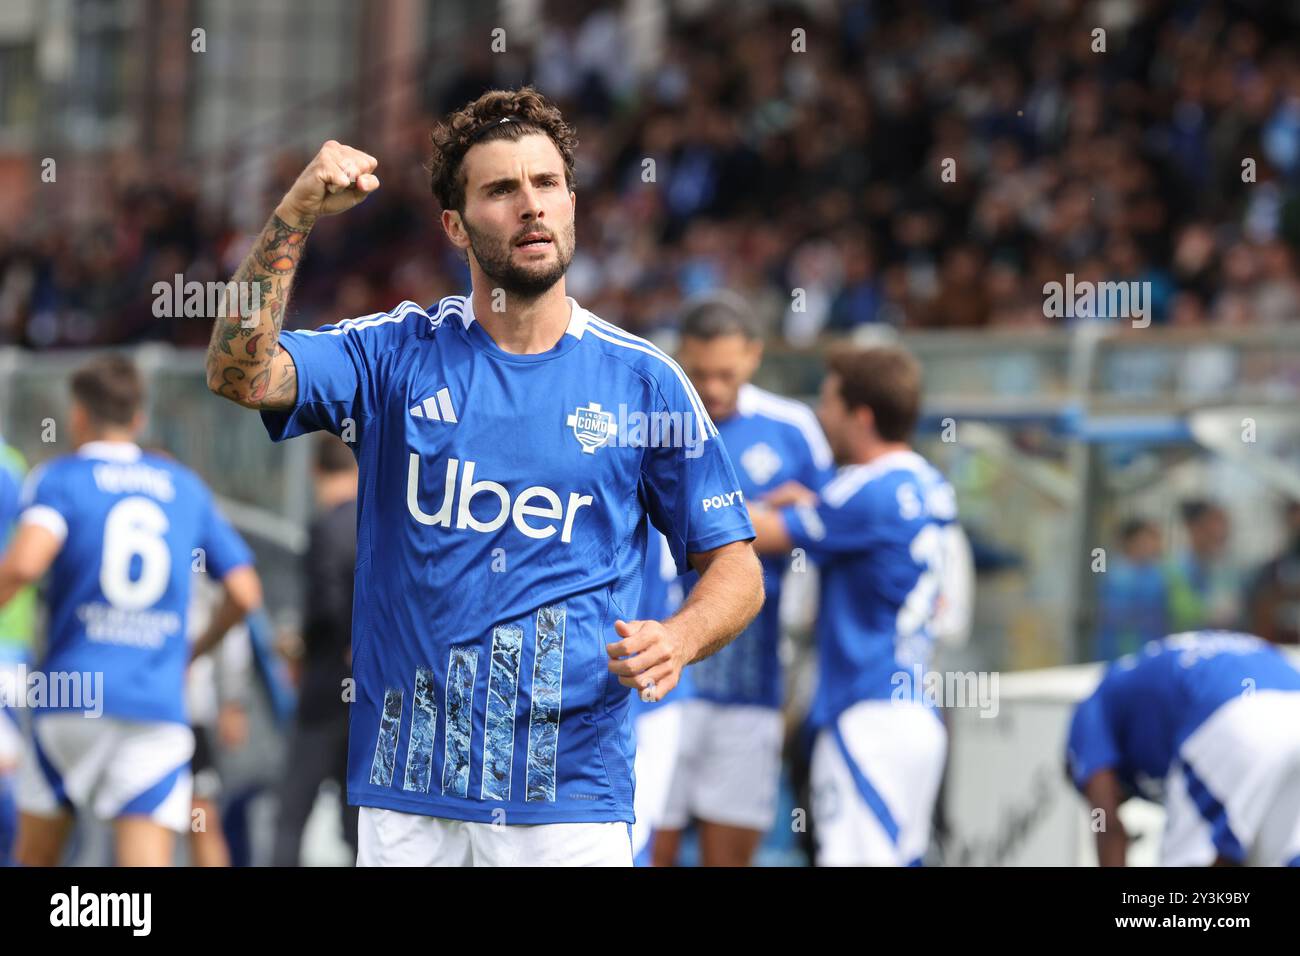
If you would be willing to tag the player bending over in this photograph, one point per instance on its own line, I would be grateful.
(1207, 723)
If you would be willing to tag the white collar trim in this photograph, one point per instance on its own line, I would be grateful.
(111, 450)
(577, 316)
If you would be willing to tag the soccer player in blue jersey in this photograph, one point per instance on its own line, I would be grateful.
(730, 764)
(121, 532)
(512, 447)
(877, 532)
(1207, 723)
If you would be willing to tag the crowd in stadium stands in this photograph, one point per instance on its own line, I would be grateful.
(1146, 593)
(777, 170)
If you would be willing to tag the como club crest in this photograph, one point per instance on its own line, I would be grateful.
(592, 427)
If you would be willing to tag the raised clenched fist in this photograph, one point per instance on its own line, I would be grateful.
(336, 179)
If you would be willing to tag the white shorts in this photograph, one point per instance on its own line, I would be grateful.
(729, 767)
(1235, 790)
(393, 838)
(875, 778)
(108, 767)
(658, 739)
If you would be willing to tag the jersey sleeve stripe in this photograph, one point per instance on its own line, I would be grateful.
(847, 483)
(800, 416)
(399, 314)
(47, 518)
(612, 333)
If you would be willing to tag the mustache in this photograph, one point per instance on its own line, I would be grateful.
(546, 233)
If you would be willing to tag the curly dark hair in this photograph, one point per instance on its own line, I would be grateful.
(480, 122)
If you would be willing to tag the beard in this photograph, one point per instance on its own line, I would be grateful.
(494, 257)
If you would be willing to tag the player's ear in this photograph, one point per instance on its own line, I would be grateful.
(454, 227)
(77, 418)
(866, 417)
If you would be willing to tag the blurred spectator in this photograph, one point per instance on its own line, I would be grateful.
(922, 168)
(1203, 587)
(1274, 599)
(1134, 598)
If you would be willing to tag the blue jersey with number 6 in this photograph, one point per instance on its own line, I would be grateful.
(134, 529)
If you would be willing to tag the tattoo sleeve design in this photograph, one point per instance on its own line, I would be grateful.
(255, 375)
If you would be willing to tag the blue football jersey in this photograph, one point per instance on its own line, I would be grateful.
(877, 536)
(135, 527)
(771, 440)
(502, 528)
(1149, 702)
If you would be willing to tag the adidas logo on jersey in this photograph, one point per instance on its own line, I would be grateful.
(437, 407)
(536, 502)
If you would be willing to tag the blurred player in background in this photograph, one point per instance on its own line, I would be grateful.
(657, 724)
(17, 620)
(877, 533)
(730, 762)
(214, 707)
(318, 748)
(502, 507)
(119, 530)
(1207, 723)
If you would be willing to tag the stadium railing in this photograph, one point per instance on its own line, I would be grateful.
(1049, 437)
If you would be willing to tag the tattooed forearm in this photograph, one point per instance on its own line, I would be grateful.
(283, 388)
(281, 244)
(245, 362)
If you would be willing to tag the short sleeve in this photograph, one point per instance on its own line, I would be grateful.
(225, 550)
(47, 501)
(338, 369)
(1092, 746)
(690, 488)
